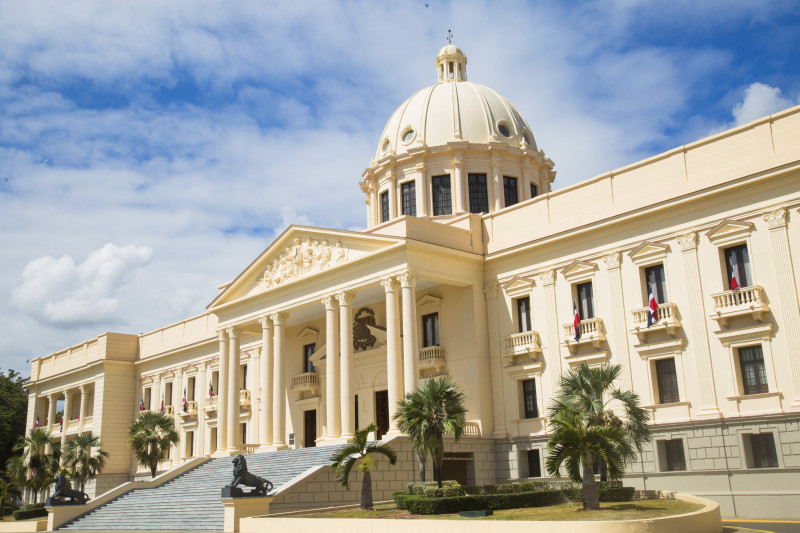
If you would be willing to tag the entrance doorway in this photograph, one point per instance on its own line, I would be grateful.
(381, 413)
(310, 428)
(459, 466)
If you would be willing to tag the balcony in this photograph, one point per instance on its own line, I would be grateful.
(432, 357)
(592, 332)
(522, 344)
(244, 398)
(741, 302)
(306, 383)
(667, 320)
(169, 410)
(211, 404)
(190, 411)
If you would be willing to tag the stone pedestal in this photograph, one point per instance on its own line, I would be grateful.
(238, 508)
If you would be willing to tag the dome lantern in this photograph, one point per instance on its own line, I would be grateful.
(451, 64)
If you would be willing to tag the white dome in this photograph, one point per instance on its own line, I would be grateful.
(453, 110)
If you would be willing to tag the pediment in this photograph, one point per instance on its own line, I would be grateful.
(428, 300)
(648, 251)
(307, 332)
(518, 284)
(729, 231)
(298, 254)
(579, 270)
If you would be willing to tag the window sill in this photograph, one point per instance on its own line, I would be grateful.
(664, 405)
(740, 397)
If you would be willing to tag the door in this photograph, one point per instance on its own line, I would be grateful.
(382, 413)
(310, 428)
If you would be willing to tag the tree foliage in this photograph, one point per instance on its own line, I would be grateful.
(150, 437)
(13, 412)
(32, 465)
(345, 458)
(80, 459)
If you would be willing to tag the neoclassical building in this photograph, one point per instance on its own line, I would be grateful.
(472, 266)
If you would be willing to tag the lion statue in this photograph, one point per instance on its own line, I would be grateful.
(63, 491)
(242, 477)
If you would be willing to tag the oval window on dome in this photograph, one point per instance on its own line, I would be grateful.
(503, 129)
(408, 136)
(385, 146)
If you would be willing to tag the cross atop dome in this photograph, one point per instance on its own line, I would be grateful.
(451, 62)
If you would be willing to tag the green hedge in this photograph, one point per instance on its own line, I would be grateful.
(418, 488)
(446, 505)
(607, 494)
(400, 498)
(24, 514)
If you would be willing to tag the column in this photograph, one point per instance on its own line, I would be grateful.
(699, 326)
(408, 282)
(52, 400)
(621, 352)
(265, 379)
(374, 207)
(393, 211)
(222, 392)
(200, 395)
(279, 381)
(394, 371)
(84, 406)
(67, 410)
(458, 188)
(345, 300)
(552, 338)
(233, 391)
(496, 189)
(787, 293)
(332, 407)
(422, 191)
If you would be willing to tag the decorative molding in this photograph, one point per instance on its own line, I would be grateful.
(490, 291)
(362, 336)
(579, 270)
(758, 333)
(775, 219)
(308, 332)
(279, 319)
(729, 231)
(613, 260)
(660, 349)
(688, 241)
(303, 258)
(429, 300)
(389, 284)
(548, 277)
(345, 298)
(233, 333)
(518, 285)
(329, 302)
(265, 322)
(648, 252)
(408, 279)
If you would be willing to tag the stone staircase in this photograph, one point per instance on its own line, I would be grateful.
(191, 501)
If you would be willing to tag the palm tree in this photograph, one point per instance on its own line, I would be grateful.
(79, 459)
(150, 437)
(588, 430)
(6, 487)
(425, 415)
(33, 466)
(345, 458)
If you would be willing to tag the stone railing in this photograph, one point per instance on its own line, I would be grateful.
(591, 330)
(211, 403)
(169, 410)
(432, 357)
(520, 344)
(667, 318)
(249, 448)
(191, 409)
(742, 301)
(305, 383)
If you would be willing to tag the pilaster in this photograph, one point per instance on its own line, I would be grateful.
(279, 381)
(394, 371)
(621, 350)
(332, 393)
(345, 300)
(408, 283)
(265, 381)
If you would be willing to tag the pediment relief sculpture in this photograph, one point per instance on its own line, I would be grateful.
(302, 258)
(362, 336)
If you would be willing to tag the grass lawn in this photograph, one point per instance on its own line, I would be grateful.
(640, 509)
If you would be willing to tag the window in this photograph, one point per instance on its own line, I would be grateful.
(534, 464)
(409, 192)
(754, 374)
(355, 419)
(190, 389)
(503, 129)
(737, 263)
(430, 330)
(385, 206)
(534, 191)
(524, 314)
(510, 190)
(667, 380)
(441, 195)
(529, 398)
(190, 444)
(762, 450)
(585, 300)
(478, 195)
(654, 276)
(671, 455)
(244, 432)
(308, 351)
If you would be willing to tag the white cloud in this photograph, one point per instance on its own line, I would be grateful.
(61, 293)
(760, 100)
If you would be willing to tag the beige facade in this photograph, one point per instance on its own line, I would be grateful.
(471, 266)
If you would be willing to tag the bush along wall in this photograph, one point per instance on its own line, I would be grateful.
(24, 514)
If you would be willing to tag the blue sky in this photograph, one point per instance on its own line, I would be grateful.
(151, 150)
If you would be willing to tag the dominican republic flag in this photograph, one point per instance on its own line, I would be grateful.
(185, 403)
(46, 421)
(61, 424)
(162, 404)
(734, 272)
(141, 404)
(36, 424)
(652, 315)
(210, 390)
(576, 322)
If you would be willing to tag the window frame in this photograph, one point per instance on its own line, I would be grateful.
(742, 253)
(526, 325)
(408, 198)
(485, 192)
(659, 284)
(308, 351)
(442, 202)
(384, 204)
(666, 397)
(666, 450)
(534, 190)
(588, 311)
(762, 387)
(529, 414)
(436, 340)
(508, 181)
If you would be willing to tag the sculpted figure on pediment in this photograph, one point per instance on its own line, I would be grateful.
(304, 257)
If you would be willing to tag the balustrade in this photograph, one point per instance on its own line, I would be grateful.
(742, 301)
(591, 331)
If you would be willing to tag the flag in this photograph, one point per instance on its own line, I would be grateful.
(61, 424)
(185, 403)
(162, 403)
(210, 390)
(141, 404)
(36, 424)
(576, 322)
(652, 315)
(46, 420)
(734, 272)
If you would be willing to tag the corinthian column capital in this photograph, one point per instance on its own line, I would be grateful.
(775, 219)
(279, 319)
(389, 284)
(408, 279)
(329, 302)
(345, 298)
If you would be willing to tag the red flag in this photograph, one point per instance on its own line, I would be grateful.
(734, 272)
(36, 424)
(576, 322)
(652, 316)
(141, 404)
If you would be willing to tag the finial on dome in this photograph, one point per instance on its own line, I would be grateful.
(451, 62)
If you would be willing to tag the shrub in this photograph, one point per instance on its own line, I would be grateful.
(446, 505)
(24, 514)
(609, 485)
(400, 498)
(616, 494)
(418, 488)
(444, 492)
(30, 506)
(472, 489)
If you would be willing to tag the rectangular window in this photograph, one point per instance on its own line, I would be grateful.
(441, 195)
(308, 351)
(762, 450)
(667, 380)
(529, 398)
(385, 206)
(408, 190)
(355, 419)
(190, 392)
(478, 193)
(675, 459)
(244, 432)
(147, 398)
(510, 190)
(534, 464)
(585, 300)
(754, 374)
(190, 443)
(524, 314)
(430, 330)
(654, 276)
(534, 191)
(737, 262)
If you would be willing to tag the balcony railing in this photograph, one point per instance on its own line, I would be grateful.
(169, 410)
(667, 319)
(211, 403)
(522, 344)
(742, 301)
(432, 357)
(592, 331)
(244, 398)
(190, 411)
(249, 448)
(307, 382)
